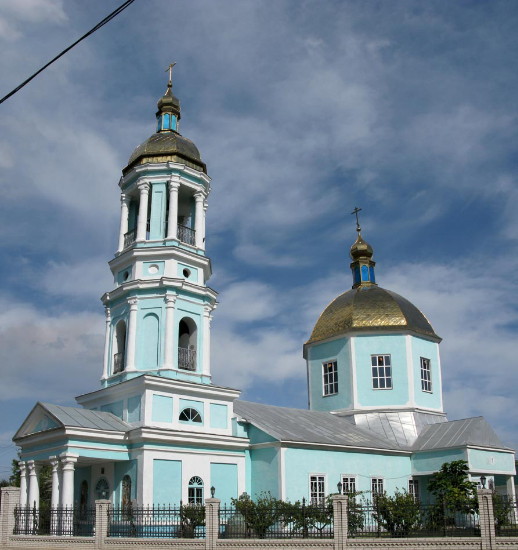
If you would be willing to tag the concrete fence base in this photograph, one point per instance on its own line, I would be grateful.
(100, 541)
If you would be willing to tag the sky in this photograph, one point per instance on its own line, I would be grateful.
(302, 110)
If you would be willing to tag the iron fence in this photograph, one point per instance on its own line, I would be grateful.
(281, 520)
(412, 519)
(184, 521)
(187, 359)
(186, 235)
(505, 512)
(54, 521)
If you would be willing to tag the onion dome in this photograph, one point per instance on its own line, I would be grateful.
(370, 308)
(167, 144)
(367, 307)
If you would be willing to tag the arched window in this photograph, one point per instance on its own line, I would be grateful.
(187, 343)
(102, 489)
(126, 493)
(190, 415)
(119, 347)
(148, 351)
(195, 490)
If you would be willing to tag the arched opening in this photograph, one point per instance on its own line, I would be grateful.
(119, 347)
(195, 490)
(187, 343)
(102, 489)
(126, 494)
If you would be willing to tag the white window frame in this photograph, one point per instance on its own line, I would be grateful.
(426, 375)
(320, 495)
(376, 385)
(413, 488)
(330, 379)
(350, 478)
(377, 481)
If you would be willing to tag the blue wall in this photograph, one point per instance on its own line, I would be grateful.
(167, 481)
(265, 471)
(224, 478)
(429, 350)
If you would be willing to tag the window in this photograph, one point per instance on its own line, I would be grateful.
(330, 378)
(190, 415)
(348, 485)
(377, 485)
(426, 375)
(317, 489)
(413, 488)
(381, 372)
(195, 490)
(102, 489)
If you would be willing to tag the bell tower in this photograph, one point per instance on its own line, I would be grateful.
(159, 312)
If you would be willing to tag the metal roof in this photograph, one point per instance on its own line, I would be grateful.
(458, 433)
(84, 418)
(300, 425)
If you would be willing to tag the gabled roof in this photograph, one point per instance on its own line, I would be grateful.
(300, 425)
(458, 433)
(46, 416)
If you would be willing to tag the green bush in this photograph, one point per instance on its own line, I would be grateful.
(398, 514)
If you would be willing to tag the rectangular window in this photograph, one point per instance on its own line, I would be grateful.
(317, 488)
(426, 375)
(330, 377)
(348, 485)
(377, 485)
(381, 372)
(413, 488)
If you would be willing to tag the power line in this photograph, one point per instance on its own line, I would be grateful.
(107, 19)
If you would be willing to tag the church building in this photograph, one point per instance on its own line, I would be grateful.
(159, 431)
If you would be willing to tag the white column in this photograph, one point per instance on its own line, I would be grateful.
(198, 219)
(203, 231)
(107, 343)
(67, 490)
(511, 495)
(125, 200)
(169, 331)
(142, 211)
(207, 318)
(55, 498)
(132, 335)
(172, 223)
(34, 488)
(23, 483)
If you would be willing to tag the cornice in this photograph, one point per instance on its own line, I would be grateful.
(146, 171)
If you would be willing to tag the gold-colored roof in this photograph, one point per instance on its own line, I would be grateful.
(167, 146)
(370, 308)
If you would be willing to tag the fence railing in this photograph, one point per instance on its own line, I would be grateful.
(186, 359)
(283, 520)
(186, 235)
(505, 512)
(415, 519)
(184, 521)
(54, 521)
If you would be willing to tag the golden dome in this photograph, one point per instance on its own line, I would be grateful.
(361, 248)
(367, 309)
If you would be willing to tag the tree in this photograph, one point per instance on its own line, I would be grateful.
(453, 489)
(398, 514)
(258, 515)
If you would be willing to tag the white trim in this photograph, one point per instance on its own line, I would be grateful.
(349, 476)
(354, 379)
(378, 477)
(410, 369)
(335, 363)
(439, 381)
(312, 474)
(282, 473)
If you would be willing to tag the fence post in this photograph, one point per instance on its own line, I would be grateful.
(9, 499)
(102, 507)
(340, 521)
(487, 519)
(211, 522)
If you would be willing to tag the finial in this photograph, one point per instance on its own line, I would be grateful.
(355, 211)
(170, 69)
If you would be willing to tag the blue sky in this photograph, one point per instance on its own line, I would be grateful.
(301, 110)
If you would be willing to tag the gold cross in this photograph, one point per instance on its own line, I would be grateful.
(355, 211)
(170, 69)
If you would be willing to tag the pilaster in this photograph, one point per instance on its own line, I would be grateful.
(132, 335)
(125, 200)
(144, 188)
(170, 301)
(207, 318)
(172, 223)
(107, 334)
(198, 220)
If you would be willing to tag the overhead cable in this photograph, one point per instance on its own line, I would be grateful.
(107, 19)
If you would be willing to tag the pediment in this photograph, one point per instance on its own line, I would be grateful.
(38, 420)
